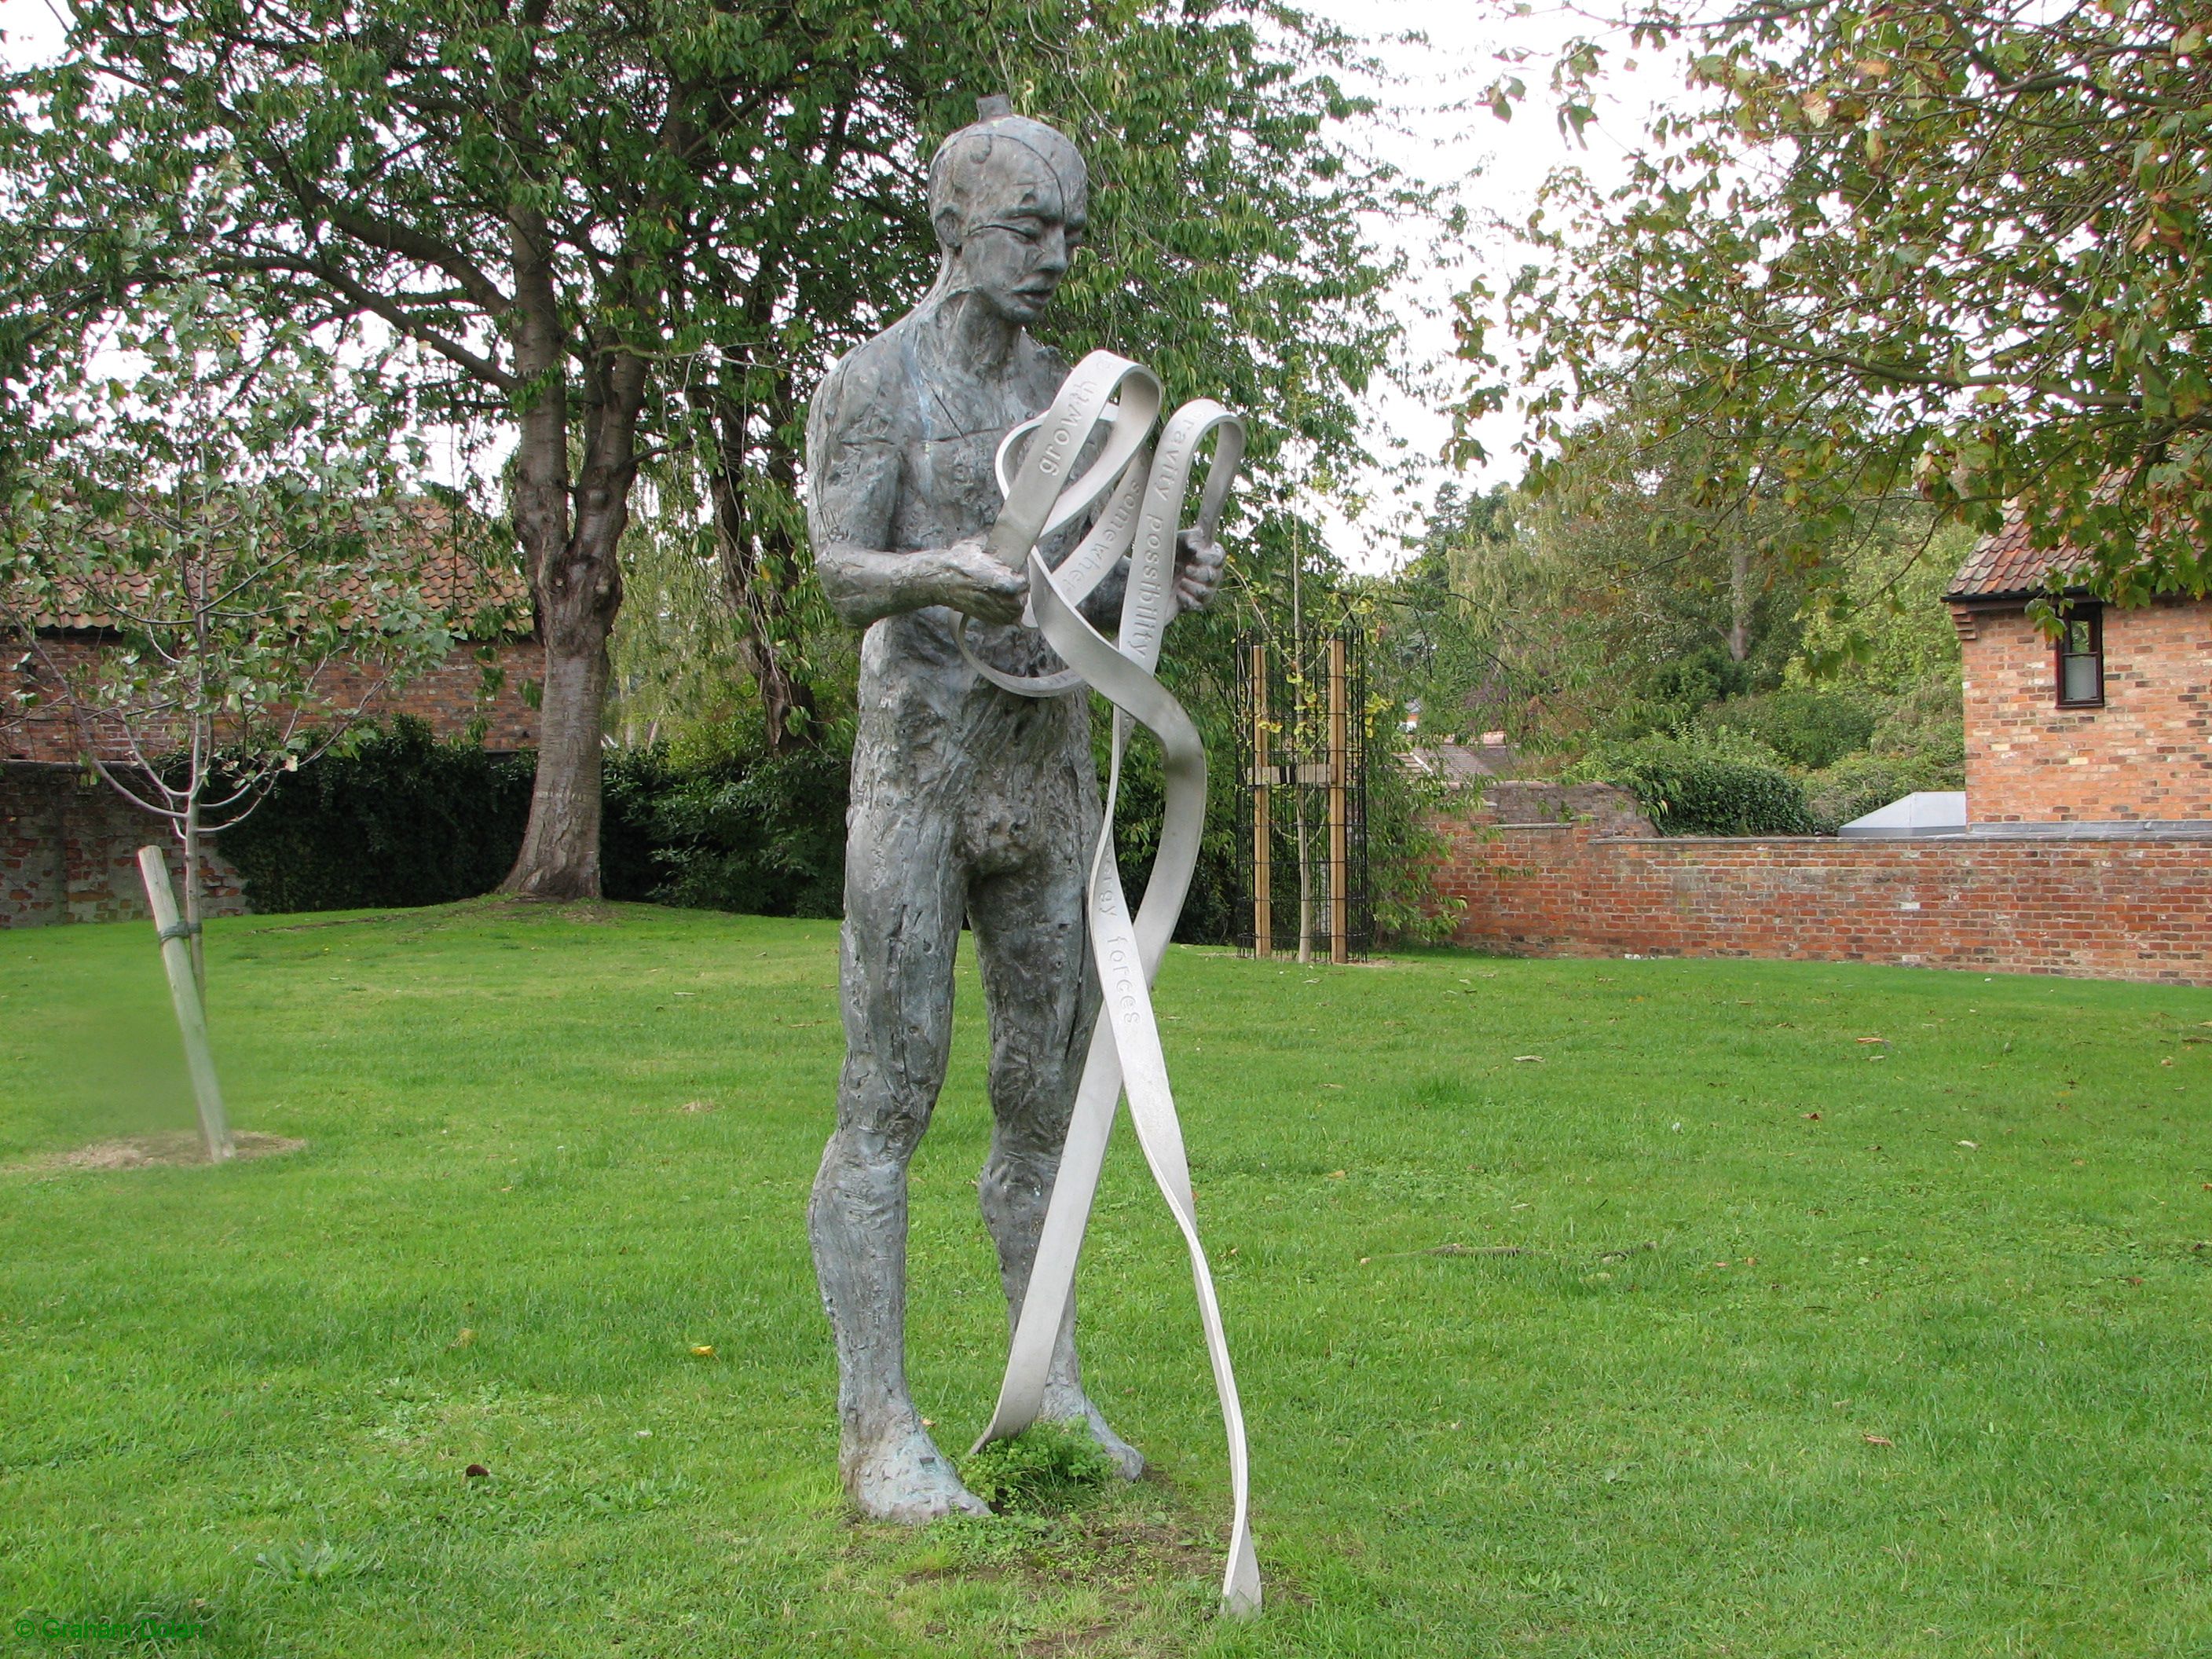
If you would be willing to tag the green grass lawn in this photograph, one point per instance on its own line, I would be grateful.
(1799, 1343)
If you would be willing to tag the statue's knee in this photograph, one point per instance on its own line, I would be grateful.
(1018, 1174)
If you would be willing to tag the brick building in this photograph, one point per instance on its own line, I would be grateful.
(69, 841)
(2109, 723)
(2087, 848)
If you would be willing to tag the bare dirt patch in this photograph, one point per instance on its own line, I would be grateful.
(169, 1148)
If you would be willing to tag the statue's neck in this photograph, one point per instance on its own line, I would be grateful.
(973, 336)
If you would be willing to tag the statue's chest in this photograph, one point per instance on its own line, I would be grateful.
(951, 455)
(953, 474)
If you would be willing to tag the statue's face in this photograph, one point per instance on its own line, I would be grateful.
(1020, 242)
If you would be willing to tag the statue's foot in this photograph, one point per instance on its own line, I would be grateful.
(900, 1475)
(1074, 1407)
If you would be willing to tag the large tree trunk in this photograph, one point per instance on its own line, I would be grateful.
(575, 576)
(560, 856)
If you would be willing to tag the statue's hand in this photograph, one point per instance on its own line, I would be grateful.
(1198, 570)
(972, 580)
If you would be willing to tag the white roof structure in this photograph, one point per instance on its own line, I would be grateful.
(1927, 812)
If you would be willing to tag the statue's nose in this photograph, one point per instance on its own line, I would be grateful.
(1052, 252)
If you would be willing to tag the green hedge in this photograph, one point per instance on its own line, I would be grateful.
(1807, 728)
(1688, 789)
(762, 834)
(396, 818)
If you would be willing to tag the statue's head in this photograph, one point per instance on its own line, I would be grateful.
(1010, 198)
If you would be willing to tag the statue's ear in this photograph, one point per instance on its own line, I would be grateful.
(947, 225)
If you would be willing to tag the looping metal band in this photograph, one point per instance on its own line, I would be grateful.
(1141, 520)
(177, 930)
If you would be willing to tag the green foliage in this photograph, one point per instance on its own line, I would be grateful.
(1884, 628)
(636, 238)
(1047, 1466)
(1959, 251)
(1861, 783)
(1692, 787)
(392, 816)
(1807, 729)
(758, 833)
(1929, 721)
(1919, 743)
(397, 818)
(240, 526)
(1210, 910)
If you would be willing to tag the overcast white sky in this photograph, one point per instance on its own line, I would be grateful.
(1432, 133)
(1427, 132)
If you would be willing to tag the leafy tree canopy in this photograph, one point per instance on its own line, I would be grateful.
(1917, 247)
(636, 232)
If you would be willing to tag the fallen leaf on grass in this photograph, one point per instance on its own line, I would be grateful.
(1814, 1116)
(1336, 1175)
(703, 1351)
(463, 1339)
(1518, 1058)
(1873, 1039)
(1971, 1145)
(1877, 1440)
(475, 1472)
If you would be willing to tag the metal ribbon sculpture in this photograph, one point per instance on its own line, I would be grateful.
(1143, 492)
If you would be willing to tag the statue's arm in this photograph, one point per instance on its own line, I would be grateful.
(853, 456)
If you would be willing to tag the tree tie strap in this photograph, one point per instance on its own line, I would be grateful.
(1145, 495)
(177, 930)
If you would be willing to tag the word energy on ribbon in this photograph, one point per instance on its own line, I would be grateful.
(1113, 403)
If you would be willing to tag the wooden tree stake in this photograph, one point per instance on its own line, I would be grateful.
(1263, 864)
(184, 992)
(1340, 768)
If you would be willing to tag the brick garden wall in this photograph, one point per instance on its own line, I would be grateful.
(449, 697)
(70, 853)
(2105, 909)
(2145, 754)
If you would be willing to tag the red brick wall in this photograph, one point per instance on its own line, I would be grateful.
(2145, 754)
(70, 853)
(449, 697)
(2105, 909)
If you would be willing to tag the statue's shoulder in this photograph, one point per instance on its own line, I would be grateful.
(869, 391)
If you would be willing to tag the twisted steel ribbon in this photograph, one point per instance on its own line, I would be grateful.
(1145, 495)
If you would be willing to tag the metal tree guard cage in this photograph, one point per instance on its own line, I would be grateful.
(1301, 732)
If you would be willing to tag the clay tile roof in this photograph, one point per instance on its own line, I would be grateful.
(2006, 567)
(487, 598)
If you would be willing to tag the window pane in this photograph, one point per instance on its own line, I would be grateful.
(2077, 637)
(2077, 680)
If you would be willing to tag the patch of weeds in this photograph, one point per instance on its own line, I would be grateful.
(1048, 1467)
(315, 1564)
(635, 1496)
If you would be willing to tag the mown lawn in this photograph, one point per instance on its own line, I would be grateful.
(1799, 1343)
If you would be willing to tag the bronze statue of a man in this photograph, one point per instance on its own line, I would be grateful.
(967, 803)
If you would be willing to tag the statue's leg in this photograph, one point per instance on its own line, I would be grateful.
(902, 909)
(1043, 999)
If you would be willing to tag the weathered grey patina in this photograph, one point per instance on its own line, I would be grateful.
(967, 802)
